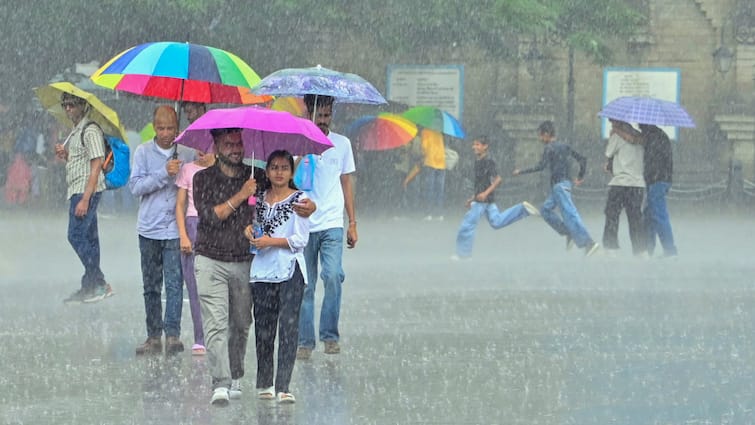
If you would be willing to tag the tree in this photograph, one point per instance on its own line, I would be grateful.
(587, 26)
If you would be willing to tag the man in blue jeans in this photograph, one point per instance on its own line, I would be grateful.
(155, 166)
(659, 166)
(556, 157)
(83, 153)
(332, 192)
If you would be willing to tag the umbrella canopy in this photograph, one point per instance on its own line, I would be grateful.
(296, 82)
(293, 105)
(382, 132)
(647, 110)
(435, 119)
(49, 97)
(181, 72)
(262, 131)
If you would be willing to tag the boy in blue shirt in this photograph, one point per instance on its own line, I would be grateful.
(486, 181)
(556, 157)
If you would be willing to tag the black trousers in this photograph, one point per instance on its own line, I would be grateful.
(276, 306)
(629, 199)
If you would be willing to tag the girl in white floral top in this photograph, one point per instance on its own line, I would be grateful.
(278, 277)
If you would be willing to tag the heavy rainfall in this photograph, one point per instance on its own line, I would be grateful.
(443, 319)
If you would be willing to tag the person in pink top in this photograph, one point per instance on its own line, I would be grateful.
(187, 218)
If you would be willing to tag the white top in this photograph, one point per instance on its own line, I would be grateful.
(277, 265)
(627, 162)
(327, 192)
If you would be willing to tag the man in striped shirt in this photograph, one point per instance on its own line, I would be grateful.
(83, 153)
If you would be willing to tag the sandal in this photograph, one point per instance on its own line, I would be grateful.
(198, 350)
(286, 398)
(266, 393)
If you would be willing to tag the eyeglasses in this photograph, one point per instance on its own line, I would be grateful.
(66, 105)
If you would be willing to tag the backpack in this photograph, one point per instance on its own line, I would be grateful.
(304, 175)
(116, 166)
(452, 158)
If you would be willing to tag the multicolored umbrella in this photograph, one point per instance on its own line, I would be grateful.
(100, 113)
(382, 132)
(296, 82)
(647, 110)
(181, 72)
(293, 105)
(435, 119)
(262, 131)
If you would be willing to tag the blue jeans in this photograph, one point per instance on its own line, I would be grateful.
(328, 245)
(657, 219)
(83, 236)
(434, 190)
(496, 218)
(161, 260)
(571, 225)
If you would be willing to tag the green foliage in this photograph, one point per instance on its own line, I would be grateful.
(587, 25)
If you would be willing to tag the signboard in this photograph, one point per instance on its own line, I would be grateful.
(660, 83)
(441, 86)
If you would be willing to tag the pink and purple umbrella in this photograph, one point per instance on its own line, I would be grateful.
(262, 131)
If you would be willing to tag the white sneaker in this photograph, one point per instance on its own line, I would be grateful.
(531, 209)
(440, 218)
(591, 249)
(219, 397)
(235, 392)
(286, 398)
(428, 218)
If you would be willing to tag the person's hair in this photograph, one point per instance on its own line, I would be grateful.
(217, 132)
(288, 157)
(483, 140)
(68, 97)
(195, 104)
(309, 101)
(547, 127)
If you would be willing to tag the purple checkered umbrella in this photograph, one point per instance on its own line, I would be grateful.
(647, 110)
(296, 82)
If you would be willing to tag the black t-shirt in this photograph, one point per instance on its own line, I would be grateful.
(658, 158)
(485, 171)
(222, 240)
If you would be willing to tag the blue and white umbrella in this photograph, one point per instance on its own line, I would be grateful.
(297, 82)
(647, 110)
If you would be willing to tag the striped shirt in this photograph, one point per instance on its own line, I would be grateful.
(81, 151)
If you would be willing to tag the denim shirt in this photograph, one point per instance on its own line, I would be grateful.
(157, 190)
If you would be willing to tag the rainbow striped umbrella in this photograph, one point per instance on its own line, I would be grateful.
(181, 72)
(435, 119)
(382, 132)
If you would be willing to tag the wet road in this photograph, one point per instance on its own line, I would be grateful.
(524, 333)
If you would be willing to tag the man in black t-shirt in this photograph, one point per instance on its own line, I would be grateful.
(486, 180)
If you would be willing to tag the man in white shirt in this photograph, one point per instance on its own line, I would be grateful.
(332, 192)
(626, 188)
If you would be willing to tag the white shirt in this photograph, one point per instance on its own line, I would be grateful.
(278, 220)
(627, 162)
(327, 192)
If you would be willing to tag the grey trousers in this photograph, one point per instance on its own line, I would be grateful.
(225, 298)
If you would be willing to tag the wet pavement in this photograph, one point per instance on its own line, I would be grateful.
(523, 333)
